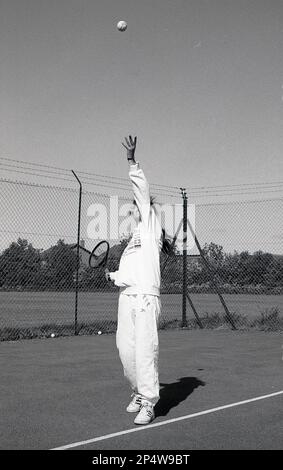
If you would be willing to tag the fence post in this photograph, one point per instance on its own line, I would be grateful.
(185, 260)
(229, 316)
(187, 293)
(78, 253)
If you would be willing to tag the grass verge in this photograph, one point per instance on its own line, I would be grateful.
(268, 320)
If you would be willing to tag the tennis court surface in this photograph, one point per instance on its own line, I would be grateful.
(70, 393)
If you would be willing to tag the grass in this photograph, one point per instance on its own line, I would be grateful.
(45, 331)
(268, 320)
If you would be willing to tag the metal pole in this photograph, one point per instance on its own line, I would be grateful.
(185, 261)
(78, 253)
(194, 310)
(187, 293)
(213, 281)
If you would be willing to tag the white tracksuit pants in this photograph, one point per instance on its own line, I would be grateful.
(137, 342)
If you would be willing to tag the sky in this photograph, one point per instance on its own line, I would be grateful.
(200, 82)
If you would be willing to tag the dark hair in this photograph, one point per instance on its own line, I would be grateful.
(166, 248)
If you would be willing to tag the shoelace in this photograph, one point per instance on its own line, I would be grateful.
(148, 409)
(137, 398)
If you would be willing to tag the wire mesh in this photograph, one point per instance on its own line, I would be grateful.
(242, 242)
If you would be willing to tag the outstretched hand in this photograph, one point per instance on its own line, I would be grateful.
(130, 146)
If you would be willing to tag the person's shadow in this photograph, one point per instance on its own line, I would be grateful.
(173, 394)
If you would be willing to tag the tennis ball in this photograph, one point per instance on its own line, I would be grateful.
(122, 25)
(52, 335)
(99, 333)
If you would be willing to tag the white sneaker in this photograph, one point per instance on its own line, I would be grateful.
(135, 404)
(146, 414)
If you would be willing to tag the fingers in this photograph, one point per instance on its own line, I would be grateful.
(131, 143)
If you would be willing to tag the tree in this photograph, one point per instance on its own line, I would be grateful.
(215, 257)
(214, 254)
(19, 265)
(257, 267)
(273, 276)
(60, 263)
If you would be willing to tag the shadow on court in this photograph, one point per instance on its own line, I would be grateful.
(171, 395)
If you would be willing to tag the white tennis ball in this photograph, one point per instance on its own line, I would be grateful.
(122, 25)
(99, 333)
(52, 335)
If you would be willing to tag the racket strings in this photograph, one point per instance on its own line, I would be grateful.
(99, 255)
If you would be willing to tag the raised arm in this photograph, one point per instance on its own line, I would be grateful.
(138, 179)
(141, 193)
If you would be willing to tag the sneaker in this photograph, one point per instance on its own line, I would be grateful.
(146, 414)
(135, 405)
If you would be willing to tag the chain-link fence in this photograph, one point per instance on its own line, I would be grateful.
(234, 276)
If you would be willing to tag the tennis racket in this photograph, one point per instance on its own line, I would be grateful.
(99, 255)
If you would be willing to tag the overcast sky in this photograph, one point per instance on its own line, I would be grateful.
(199, 81)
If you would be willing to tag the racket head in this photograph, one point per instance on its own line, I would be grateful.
(99, 255)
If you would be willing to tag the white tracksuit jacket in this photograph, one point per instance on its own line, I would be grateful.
(139, 269)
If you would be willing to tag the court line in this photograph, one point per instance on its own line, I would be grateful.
(163, 423)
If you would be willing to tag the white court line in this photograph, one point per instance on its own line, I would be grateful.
(168, 421)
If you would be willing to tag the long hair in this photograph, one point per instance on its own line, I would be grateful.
(166, 248)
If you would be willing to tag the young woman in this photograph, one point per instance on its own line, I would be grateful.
(138, 277)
